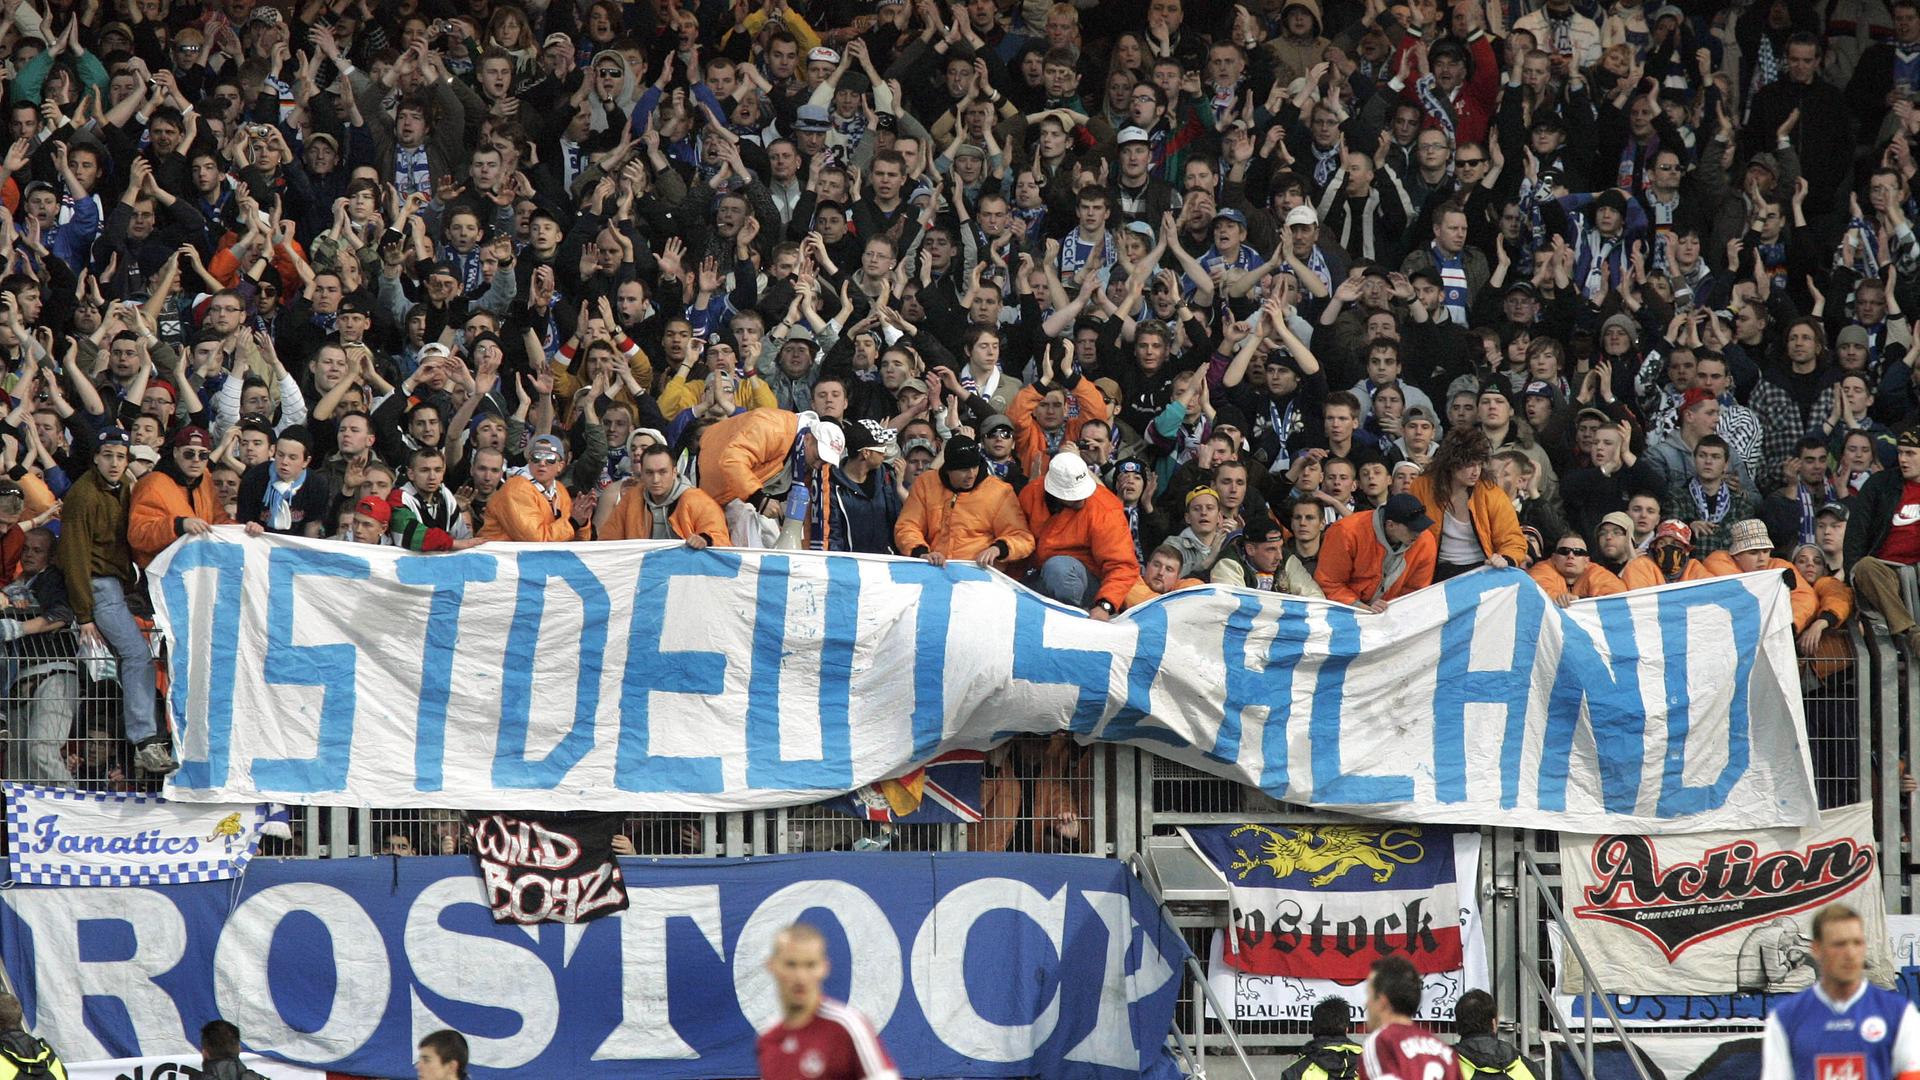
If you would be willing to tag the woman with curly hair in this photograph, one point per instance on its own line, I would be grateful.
(1473, 520)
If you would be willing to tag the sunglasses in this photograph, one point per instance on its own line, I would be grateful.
(190, 454)
(544, 459)
(1468, 162)
(1571, 553)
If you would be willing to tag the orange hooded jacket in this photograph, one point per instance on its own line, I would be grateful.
(1030, 443)
(693, 514)
(1597, 581)
(1095, 533)
(159, 503)
(1641, 572)
(1352, 561)
(518, 511)
(1806, 604)
(961, 524)
(739, 455)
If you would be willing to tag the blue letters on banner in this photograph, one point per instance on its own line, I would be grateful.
(643, 676)
(344, 964)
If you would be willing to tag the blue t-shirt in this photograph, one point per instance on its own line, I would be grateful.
(1874, 1036)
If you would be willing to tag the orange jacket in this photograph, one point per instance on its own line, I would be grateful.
(1030, 443)
(961, 524)
(740, 454)
(159, 502)
(1641, 572)
(1834, 653)
(1352, 561)
(693, 514)
(1491, 511)
(1095, 533)
(1143, 592)
(1597, 581)
(1806, 604)
(39, 496)
(518, 511)
(1835, 600)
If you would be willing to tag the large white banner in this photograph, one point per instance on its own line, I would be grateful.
(1719, 912)
(65, 836)
(644, 676)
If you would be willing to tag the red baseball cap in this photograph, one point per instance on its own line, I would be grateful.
(375, 508)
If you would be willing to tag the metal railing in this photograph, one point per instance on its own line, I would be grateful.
(1535, 893)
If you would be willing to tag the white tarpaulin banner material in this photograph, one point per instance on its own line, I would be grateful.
(1719, 912)
(63, 836)
(643, 676)
(181, 1068)
(1722, 1010)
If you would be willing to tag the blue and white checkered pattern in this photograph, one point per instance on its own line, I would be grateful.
(112, 814)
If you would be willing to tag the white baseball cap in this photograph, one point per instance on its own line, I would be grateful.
(1068, 478)
(1302, 215)
(828, 441)
(824, 55)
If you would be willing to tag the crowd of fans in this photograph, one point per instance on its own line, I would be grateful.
(1332, 299)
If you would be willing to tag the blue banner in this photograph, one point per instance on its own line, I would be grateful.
(643, 676)
(345, 964)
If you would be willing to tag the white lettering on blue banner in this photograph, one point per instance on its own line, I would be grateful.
(960, 961)
(642, 676)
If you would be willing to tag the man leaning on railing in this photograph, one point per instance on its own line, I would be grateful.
(40, 677)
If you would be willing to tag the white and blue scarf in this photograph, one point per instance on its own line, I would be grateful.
(280, 495)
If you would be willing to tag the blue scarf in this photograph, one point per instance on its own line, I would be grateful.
(280, 495)
(1712, 509)
(1453, 281)
(1434, 105)
(411, 170)
(1076, 253)
(1774, 257)
(1325, 164)
(1631, 155)
(1868, 263)
(1766, 65)
(467, 266)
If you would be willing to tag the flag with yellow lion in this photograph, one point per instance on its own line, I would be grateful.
(1325, 901)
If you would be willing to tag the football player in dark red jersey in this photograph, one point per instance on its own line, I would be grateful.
(817, 1038)
(1397, 1048)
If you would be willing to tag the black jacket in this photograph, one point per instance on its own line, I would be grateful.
(1491, 1054)
(861, 516)
(1334, 1058)
(1870, 516)
(1590, 495)
(310, 503)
